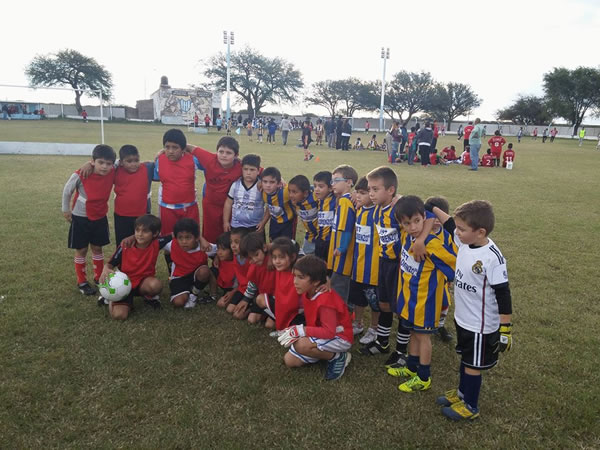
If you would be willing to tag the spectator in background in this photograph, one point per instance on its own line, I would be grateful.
(5, 114)
(404, 133)
(475, 143)
(424, 139)
(330, 132)
(544, 135)
(286, 127)
(367, 126)
(581, 135)
(346, 133)
(534, 134)
(271, 128)
(459, 132)
(520, 134)
(468, 130)
(319, 131)
(84, 115)
(42, 113)
(396, 140)
(196, 120)
(436, 133)
(219, 122)
(553, 133)
(206, 121)
(338, 133)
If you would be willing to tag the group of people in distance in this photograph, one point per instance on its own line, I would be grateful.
(490, 159)
(364, 246)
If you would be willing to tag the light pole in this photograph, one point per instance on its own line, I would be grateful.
(385, 55)
(229, 40)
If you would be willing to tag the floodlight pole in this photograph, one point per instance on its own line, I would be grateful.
(385, 55)
(101, 117)
(229, 40)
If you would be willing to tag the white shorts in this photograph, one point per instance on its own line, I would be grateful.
(335, 345)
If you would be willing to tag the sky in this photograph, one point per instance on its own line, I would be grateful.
(502, 49)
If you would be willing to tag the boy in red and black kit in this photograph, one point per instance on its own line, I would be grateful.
(487, 160)
(496, 142)
(87, 214)
(240, 269)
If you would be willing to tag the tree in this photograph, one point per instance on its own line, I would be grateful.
(408, 92)
(526, 110)
(571, 93)
(70, 68)
(257, 79)
(326, 94)
(451, 100)
(356, 95)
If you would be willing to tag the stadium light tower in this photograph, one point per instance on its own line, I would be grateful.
(228, 39)
(385, 55)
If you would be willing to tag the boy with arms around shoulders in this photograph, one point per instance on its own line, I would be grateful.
(279, 208)
(325, 215)
(307, 209)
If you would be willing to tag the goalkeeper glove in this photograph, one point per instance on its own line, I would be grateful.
(291, 335)
(505, 337)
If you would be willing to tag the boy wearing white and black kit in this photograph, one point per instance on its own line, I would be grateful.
(483, 307)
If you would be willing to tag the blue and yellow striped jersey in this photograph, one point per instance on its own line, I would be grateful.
(345, 219)
(308, 211)
(326, 216)
(423, 287)
(365, 266)
(279, 205)
(388, 229)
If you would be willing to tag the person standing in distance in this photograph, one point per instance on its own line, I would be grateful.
(475, 143)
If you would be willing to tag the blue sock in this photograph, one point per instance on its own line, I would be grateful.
(461, 381)
(424, 371)
(472, 388)
(412, 363)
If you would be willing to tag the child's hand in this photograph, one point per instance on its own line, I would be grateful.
(240, 308)
(105, 272)
(205, 246)
(160, 152)
(189, 148)
(128, 242)
(86, 170)
(337, 252)
(325, 287)
(68, 216)
(418, 250)
(227, 227)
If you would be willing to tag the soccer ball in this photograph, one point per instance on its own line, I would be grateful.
(116, 287)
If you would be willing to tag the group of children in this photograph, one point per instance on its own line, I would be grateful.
(490, 159)
(364, 246)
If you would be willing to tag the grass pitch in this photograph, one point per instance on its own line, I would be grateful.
(71, 377)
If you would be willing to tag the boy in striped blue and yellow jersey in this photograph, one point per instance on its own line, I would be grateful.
(422, 290)
(341, 250)
(307, 208)
(327, 203)
(278, 206)
(365, 265)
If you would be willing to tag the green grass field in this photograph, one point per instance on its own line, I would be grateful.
(73, 378)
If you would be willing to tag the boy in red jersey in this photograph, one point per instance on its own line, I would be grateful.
(509, 154)
(240, 267)
(327, 334)
(87, 214)
(449, 153)
(496, 142)
(220, 170)
(138, 262)
(222, 270)
(189, 271)
(487, 160)
(465, 158)
(467, 131)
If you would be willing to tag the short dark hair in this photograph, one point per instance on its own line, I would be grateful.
(489, 151)
(175, 136)
(286, 246)
(301, 182)
(477, 214)
(147, 222)
(323, 177)
(241, 232)
(128, 150)
(230, 143)
(224, 241)
(104, 152)
(362, 184)
(272, 172)
(407, 206)
(386, 174)
(186, 224)
(440, 202)
(313, 267)
(347, 171)
(251, 160)
(252, 242)
(510, 145)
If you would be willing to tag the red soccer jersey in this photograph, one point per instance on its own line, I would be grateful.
(218, 179)
(178, 179)
(131, 191)
(241, 273)
(140, 263)
(508, 154)
(287, 301)
(411, 136)
(314, 306)
(97, 188)
(185, 262)
(262, 277)
(468, 130)
(466, 159)
(496, 143)
(433, 159)
(487, 160)
(226, 276)
(449, 154)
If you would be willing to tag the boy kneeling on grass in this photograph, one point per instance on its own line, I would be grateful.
(327, 334)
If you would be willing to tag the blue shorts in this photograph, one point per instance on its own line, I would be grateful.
(417, 329)
(286, 229)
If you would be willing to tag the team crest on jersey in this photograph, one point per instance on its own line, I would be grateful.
(477, 267)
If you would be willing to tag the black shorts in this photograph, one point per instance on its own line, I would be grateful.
(84, 231)
(181, 285)
(362, 294)
(129, 299)
(237, 298)
(248, 229)
(322, 249)
(270, 311)
(286, 229)
(124, 227)
(465, 143)
(387, 288)
(477, 350)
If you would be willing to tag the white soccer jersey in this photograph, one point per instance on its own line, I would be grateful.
(248, 207)
(477, 270)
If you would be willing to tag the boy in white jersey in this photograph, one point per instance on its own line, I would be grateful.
(483, 310)
(244, 206)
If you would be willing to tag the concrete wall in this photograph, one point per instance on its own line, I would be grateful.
(110, 112)
(45, 148)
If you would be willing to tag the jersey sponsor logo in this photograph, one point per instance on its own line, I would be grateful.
(276, 211)
(458, 283)
(408, 263)
(326, 218)
(363, 234)
(387, 235)
(477, 267)
(307, 214)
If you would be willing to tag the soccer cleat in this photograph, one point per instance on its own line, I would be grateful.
(460, 411)
(154, 302)
(207, 299)
(444, 334)
(375, 348)
(311, 156)
(369, 336)
(395, 361)
(401, 372)
(449, 398)
(191, 302)
(102, 301)
(86, 289)
(337, 366)
(357, 328)
(415, 384)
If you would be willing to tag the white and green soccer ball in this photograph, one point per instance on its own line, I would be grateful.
(116, 287)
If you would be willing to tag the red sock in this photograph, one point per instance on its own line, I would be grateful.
(98, 260)
(80, 269)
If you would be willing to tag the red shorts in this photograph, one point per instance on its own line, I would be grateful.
(496, 153)
(212, 221)
(169, 216)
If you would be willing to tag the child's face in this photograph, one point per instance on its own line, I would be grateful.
(281, 260)
(143, 236)
(413, 225)
(468, 235)
(378, 193)
(340, 185)
(296, 195)
(303, 283)
(257, 257)
(224, 254)
(235, 243)
(186, 240)
(249, 174)
(269, 184)
(362, 198)
(321, 189)
(131, 163)
(102, 166)
(225, 156)
(173, 151)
